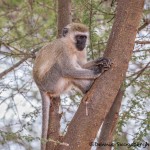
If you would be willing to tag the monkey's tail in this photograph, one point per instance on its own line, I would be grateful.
(45, 118)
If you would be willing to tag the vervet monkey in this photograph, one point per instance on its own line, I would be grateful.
(62, 64)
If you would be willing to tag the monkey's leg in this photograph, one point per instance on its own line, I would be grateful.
(83, 85)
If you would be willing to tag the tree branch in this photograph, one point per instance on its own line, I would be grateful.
(107, 131)
(13, 67)
(146, 23)
(106, 135)
(53, 124)
(32, 55)
(83, 129)
(138, 73)
(142, 42)
(64, 14)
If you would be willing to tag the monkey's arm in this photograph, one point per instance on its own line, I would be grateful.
(80, 73)
(102, 63)
(89, 65)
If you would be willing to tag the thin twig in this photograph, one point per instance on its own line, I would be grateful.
(146, 23)
(13, 67)
(32, 55)
(139, 73)
(142, 42)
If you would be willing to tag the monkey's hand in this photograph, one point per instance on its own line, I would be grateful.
(103, 64)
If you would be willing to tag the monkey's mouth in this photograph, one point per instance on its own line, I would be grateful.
(80, 47)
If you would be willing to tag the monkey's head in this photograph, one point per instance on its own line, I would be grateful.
(77, 34)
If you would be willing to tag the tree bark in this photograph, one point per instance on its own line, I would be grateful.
(83, 129)
(64, 18)
(64, 14)
(53, 124)
(106, 135)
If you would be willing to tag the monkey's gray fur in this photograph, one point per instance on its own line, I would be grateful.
(63, 64)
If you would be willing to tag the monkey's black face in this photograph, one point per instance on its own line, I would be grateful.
(80, 42)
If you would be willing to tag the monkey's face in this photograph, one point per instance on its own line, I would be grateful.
(80, 41)
(77, 34)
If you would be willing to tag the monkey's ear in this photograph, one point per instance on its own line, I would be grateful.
(64, 32)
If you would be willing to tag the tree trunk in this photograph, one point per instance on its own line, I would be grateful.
(64, 14)
(64, 18)
(83, 129)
